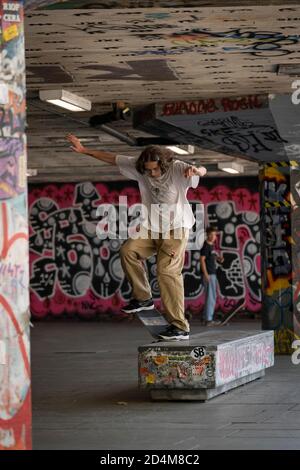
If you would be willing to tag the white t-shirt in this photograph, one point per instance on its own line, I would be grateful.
(165, 205)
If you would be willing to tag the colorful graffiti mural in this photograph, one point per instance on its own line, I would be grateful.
(14, 326)
(15, 393)
(256, 43)
(279, 311)
(73, 272)
(295, 220)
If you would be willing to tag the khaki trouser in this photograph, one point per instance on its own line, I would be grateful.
(169, 271)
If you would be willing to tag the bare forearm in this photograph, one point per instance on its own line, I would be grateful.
(201, 171)
(106, 157)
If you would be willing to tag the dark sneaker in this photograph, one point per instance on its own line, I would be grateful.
(174, 334)
(136, 306)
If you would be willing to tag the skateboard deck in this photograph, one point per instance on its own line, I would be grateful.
(154, 321)
(239, 306)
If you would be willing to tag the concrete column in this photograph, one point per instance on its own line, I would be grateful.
(280, 252)
(15, 399)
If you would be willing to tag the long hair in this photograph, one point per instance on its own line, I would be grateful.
(154, 153)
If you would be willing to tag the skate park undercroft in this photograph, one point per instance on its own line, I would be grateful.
(149, 226)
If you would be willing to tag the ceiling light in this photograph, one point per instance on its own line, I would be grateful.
(231, 167)
(65, 99)
(181, 151)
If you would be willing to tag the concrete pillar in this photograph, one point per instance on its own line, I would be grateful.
(280, 252)
(15, 399)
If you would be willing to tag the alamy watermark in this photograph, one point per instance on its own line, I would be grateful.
(296, 93)
(121, 221)
(296, 354)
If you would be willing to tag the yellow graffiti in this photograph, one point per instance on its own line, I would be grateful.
(271, 172)
(196, 40)
(7, 189)
(150, 379)
(203, 39)
(283, 339)
(10, 33)
(160, 360)
(276, 285)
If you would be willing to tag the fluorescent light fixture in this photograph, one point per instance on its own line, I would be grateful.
(231, 167)
(65, 99)
(180, 150)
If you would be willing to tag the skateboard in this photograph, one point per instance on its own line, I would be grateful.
(154, 321)
(239, 306)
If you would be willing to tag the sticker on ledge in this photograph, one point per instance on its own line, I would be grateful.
(198, 352)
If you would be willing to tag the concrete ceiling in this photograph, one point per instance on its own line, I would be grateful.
(105, 4)
(147, 55)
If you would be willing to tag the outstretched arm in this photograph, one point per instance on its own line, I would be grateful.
(76, 146)
(195, 171)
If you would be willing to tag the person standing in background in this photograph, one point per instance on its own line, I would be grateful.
(208, 261)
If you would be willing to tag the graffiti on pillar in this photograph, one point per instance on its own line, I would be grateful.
(12, 115)
(12, 167)
(277, 248)
(73, 272)
(13, 58)
(15, 402)
(295, 222)
(15, 393)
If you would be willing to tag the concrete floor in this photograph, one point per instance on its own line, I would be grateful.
(85, 396)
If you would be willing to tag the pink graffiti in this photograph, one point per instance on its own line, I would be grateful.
(53, 265)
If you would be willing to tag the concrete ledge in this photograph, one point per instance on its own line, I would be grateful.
(203, 394)
(208, 364)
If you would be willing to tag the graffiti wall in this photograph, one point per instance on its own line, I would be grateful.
(15, 398)
(73, 272)
(280, 247)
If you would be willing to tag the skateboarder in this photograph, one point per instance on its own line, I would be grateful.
(209, 268)
(163, 182)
